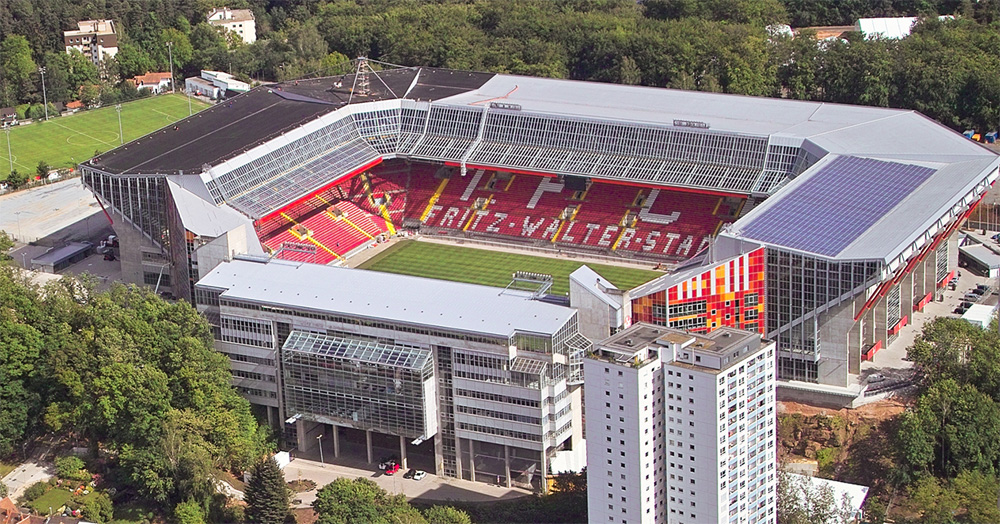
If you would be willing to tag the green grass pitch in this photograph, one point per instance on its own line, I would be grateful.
(491, 268)
(68, 140)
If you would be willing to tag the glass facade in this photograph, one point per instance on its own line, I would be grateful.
(797, 286)
(358, 383)
(140, 200)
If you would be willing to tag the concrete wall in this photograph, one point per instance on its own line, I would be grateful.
(221, 249)
(132, 245)
(835, 344)
(594, 317)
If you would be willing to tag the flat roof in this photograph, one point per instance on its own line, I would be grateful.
(405, 299)
(58, 255)
(982, 254)
(979, 313)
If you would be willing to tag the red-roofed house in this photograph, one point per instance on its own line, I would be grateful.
(155, 82)
(10, 514)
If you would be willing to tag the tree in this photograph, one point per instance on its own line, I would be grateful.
(16, 180)
(346, 501)
(189, 512)
(69, 467)
(98, 508)
(446, 515)
(16, 68)
(266, 494)
(182, 51)
(801, 502)
(89, 94)
(3, 490)
(133, 61)
(6, 243)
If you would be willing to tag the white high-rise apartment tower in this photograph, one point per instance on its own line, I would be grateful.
(680, 427)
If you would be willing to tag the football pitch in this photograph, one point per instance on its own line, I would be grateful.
(65, 141)
(491, 268)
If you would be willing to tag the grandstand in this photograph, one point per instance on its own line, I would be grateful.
(820, 225)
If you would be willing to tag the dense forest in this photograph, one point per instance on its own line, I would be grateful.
(131, 377)
(945, 69)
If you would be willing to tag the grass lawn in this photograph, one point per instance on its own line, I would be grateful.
(54, 498)
(68, 140)
(491, 268)
(5, 468)
(131, 513)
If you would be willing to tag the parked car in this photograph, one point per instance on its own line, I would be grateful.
(409, 474)
(971, 297)
(966, 305)
(983, 287)
(385, 462)
(392, 468)
(876, 377)
(420, 474)
(977, 291)
(959, 310)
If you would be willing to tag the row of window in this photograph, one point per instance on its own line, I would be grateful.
(239, 357)
(483, 395)
(500, 432)
(252, 375)
(498, 415)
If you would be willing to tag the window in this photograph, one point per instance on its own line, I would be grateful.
(151, 279)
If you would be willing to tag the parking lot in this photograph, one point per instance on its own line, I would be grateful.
(891, 362)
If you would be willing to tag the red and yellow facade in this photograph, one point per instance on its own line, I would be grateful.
(730, 293)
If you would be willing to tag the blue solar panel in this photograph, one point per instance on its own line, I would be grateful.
(836, 205)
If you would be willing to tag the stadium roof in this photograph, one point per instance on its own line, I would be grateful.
(405, 299)
(237, 124)
(860, 182)
(857, 208)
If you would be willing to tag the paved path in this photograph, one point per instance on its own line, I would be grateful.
(430, 488)
(25, 475)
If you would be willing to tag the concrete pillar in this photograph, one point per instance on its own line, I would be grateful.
(270, 416)
(368, 440)
(472, 460)
(458, 458)
(545, 473)
(438, 455)
(402, 452)
(306, 432)
(336, 441)
(506, 463)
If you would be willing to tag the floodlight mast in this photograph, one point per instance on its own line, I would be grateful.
(45, 98)
(170, 55)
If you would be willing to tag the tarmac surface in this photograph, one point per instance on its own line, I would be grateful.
(27, 474)
(353, 464)
(53, 214)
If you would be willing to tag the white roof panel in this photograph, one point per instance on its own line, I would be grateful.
(397, 298)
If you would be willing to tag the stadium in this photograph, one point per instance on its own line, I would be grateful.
(820, 226)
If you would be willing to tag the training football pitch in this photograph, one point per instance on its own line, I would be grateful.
(65, 141)
(491, 268)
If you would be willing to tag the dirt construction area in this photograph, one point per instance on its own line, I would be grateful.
(836, 443)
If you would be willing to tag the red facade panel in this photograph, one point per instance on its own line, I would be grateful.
(729, 294)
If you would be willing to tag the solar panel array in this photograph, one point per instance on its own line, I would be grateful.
(836, 205)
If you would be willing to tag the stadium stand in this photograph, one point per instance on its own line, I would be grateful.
(641, 221)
